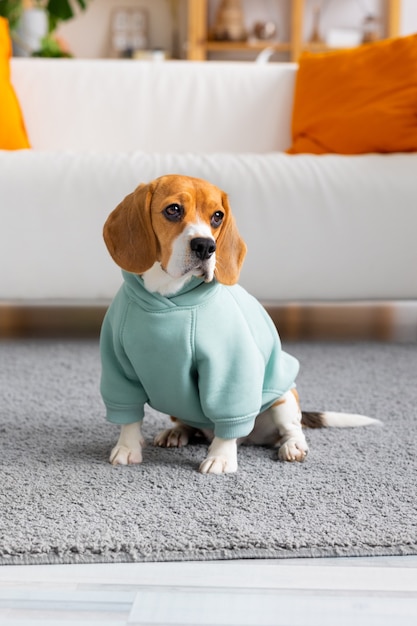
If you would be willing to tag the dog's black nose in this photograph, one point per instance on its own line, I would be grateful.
(203, 247)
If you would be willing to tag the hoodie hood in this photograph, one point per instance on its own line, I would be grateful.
(194, 292)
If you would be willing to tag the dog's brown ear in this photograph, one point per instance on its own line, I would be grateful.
(231, 249)
(128, 232)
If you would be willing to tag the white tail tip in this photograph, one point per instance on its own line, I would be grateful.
(347, 420)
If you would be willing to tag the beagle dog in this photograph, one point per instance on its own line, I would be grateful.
(171, 336)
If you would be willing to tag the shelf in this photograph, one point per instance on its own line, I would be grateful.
(246, 46)
(199, 44)
(320, 47)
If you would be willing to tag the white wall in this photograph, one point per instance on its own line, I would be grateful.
(89, 33)
(409, 17)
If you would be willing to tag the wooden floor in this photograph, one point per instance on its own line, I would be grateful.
(379, 591)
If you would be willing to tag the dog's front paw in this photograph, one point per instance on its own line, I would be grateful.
(221, 458)
(122, 455)
(128, 449)
(293, 450)
(217, 465)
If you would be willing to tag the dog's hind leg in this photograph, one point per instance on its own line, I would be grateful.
(175, 437)
(286, 415)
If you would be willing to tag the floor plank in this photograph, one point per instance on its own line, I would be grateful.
(293, 592)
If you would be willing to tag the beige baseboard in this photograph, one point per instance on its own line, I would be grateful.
(335, 321)
(375, 321)
(50, 321)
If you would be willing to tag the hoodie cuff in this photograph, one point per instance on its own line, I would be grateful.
(234, 429)
(124, 415)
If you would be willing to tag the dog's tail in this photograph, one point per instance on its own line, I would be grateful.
(329, 419)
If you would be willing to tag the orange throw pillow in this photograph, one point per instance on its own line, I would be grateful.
(357, 101)
(12, 128)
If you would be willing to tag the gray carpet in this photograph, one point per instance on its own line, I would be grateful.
(61, 502)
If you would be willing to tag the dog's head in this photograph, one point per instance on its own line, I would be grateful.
(183, 223)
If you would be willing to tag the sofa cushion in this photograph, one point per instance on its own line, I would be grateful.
(116, 105)
(328, 228)
(12, 129)
(357, 101)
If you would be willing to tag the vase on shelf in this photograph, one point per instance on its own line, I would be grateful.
(230, 22)
(31, 29)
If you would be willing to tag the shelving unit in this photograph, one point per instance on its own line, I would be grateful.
(199, 44)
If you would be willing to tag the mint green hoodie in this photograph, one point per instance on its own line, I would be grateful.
(209, 355)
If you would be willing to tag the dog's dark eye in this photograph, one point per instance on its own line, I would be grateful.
(216, 219)
(174, 212)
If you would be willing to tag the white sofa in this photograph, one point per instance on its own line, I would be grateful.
(317, 227)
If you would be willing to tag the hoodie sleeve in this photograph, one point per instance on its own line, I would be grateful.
(120, 387)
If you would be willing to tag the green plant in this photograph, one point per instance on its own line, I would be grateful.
(61, 10)
(56, 11)
(50, 48)
(11, 10)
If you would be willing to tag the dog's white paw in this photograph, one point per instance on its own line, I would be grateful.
(221, 458)
(128, 449)
(123, 455)
(176, 437)
(217, 465)
(293, 450)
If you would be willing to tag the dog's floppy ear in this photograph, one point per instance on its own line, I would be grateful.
(128, 232)
(231, 249)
